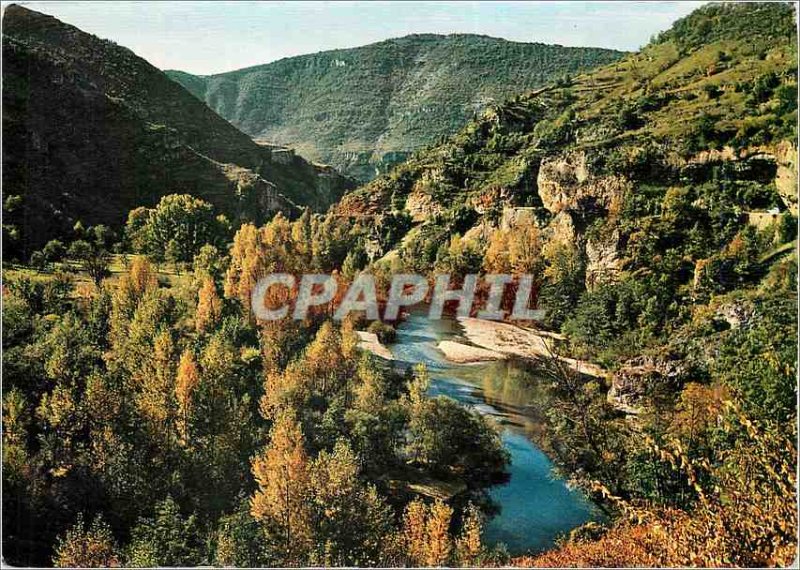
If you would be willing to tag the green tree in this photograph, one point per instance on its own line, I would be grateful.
(166, 539)
(92, 258)
(54, 251)
(176, 228)
(448, 439)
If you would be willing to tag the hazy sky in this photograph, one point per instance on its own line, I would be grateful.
(211, 37)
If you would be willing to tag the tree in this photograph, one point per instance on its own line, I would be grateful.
(87, 548)
(564, 273)
(458, 257)
(167, 539)
(155, 398)
(350, 520)
(38, 261)
(185, 386)
(137, 230)
(426, 534)
(414, 532)
(176, 228)
(92, 258)
(697, 409)
(54, 251)
(240, 542)
(517, 251)
(468, 545)
(209, 306)
(69, 354)
(209, 262)
(449, 439)
(281, 502)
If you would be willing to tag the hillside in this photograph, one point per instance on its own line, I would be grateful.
(362, 110)
(679, 112)
(92, 131)
(655, 201)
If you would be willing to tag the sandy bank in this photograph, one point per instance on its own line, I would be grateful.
(466, 354)
(513, 340)
(369, 341)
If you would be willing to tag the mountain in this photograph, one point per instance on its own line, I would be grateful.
(365, 109)
(91, 131)
(717, 89)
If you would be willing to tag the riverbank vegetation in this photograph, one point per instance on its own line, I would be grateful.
(148, 421)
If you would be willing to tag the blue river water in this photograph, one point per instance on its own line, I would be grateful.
(536, 506)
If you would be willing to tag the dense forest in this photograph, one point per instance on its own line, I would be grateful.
(365, 109)
(150, 420)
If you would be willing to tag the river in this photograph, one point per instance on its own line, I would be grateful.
(536, 505)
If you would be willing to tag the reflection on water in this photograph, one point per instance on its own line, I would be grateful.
(536, 506)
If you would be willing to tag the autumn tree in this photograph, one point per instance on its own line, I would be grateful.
(515, 251)
(323, 370)
(426, 534)
(186, 383)
(83, 547)
(155, 396)
(209, 306)
(468, 547)
(281, 502)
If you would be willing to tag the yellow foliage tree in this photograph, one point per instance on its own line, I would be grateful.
(439, 544)
(142, 276)
(516, 251)
(468, 544)
(415, 532)
(185, 385)
(324, 369)
(154, 399)
(209, 306)
(281, 502)
(87, 548)
(426, 533)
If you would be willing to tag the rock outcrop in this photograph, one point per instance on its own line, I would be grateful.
(786, 175)
(603, 261)
(643, 378)
(567, 183)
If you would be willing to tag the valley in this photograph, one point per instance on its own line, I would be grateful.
(648, 418)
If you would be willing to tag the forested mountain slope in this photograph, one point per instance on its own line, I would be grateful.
(92, 131)
(604, 150)
(365, 109)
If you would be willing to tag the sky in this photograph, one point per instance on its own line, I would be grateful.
(211, 37)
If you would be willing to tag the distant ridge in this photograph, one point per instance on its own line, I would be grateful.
(364, 109)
